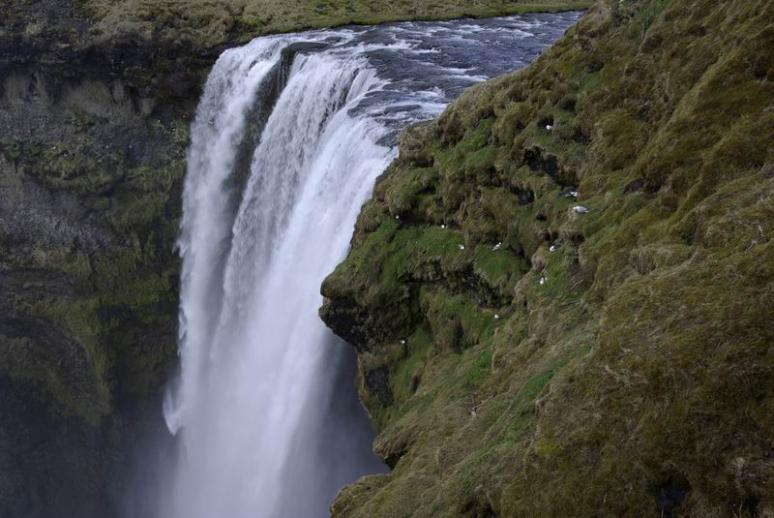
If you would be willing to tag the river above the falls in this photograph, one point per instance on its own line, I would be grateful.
(289, 137)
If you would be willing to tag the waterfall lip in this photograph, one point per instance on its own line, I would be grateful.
(290, 135)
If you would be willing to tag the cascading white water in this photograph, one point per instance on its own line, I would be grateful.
(258, 368)
(252, 344)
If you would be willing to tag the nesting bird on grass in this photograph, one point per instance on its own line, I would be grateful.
(571, 194)
(542, 280)
(461, 247)
(553, 248)
(580, 209)
(497, 246)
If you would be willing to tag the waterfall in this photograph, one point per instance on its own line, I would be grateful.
(289, 137)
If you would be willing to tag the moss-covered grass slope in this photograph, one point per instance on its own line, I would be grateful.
(521, 356)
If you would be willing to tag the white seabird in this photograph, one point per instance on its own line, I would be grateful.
(497, 246)
(461, 247)
(542, 280)
(580, 209)
(553, 248)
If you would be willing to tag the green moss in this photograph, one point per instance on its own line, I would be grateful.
(499, 268)
(645, 17)
(84, 393)
(643, 356)
(402, 197)
(456, 322)
(100, 308)
(479, 370)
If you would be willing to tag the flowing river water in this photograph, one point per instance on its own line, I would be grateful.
(289, 137)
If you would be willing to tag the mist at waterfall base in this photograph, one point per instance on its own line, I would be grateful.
(289, 137)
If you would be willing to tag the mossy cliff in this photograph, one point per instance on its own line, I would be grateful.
(92, 155)
(91, 161)
(521, 357)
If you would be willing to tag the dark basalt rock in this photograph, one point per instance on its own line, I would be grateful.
(92, 148)
(377, 382)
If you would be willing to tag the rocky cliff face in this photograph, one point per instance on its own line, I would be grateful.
(92, 142)
(561, 292)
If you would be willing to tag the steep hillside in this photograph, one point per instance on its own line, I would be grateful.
(526, 353)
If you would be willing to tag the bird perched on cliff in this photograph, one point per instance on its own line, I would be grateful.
(553, 248)
(549, 127)
(580, 209)
(461, 247)
(497, 246)
(542, 280)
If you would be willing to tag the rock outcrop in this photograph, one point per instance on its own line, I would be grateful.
(572, 314)
(92, 154)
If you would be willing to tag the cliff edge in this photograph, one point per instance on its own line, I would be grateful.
(561, 291)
